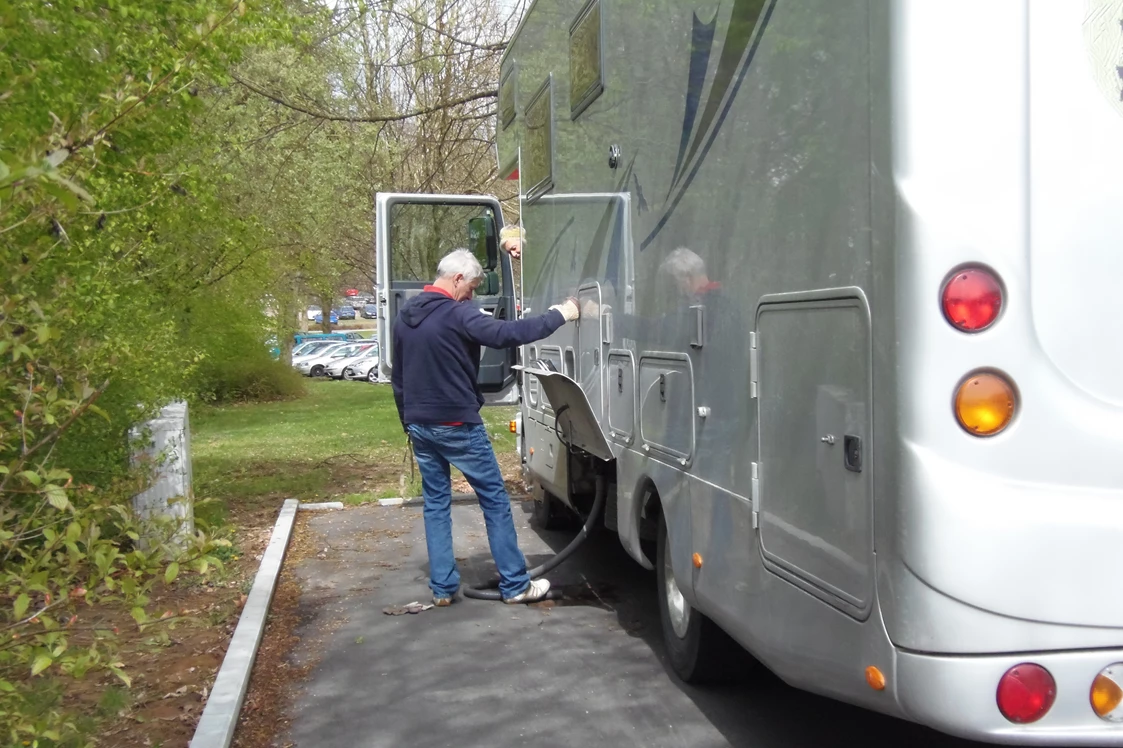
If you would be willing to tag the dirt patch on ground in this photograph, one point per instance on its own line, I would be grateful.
(173, 660)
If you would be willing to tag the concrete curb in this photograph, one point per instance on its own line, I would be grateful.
(457, 498)
(220, 716)
(322, 506)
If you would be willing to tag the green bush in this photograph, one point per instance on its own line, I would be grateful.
(257, 377)
(227, 332)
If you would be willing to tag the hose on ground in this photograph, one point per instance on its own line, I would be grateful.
(490, 589)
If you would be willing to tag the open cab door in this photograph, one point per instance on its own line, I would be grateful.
(413, 233)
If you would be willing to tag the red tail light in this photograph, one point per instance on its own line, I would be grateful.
(972, 299)
(1025, 693)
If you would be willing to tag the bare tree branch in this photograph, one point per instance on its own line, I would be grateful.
(329, 117)
(494, 47)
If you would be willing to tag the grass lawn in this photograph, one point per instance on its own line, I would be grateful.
(341, 442)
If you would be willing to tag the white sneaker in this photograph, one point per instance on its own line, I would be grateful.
(537, 590)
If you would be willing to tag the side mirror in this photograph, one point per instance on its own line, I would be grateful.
(483, 242)
(489, 286)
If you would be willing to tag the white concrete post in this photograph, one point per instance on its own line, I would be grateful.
(167, 452)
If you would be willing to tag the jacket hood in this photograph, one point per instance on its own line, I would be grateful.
(421, 306)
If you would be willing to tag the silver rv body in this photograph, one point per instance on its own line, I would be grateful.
(831, 164)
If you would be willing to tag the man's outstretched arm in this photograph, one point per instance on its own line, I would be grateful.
(494, 333)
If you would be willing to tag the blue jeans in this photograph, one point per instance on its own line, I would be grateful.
(468, 449)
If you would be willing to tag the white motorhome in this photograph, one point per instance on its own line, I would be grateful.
(849, 354)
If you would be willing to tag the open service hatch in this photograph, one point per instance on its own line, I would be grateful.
(574, 421)
(413, 233)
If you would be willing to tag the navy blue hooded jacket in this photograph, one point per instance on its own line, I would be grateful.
(436, 355)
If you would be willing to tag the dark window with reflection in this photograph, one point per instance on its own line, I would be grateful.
(538, 147)
(507, 96)
(585, 75)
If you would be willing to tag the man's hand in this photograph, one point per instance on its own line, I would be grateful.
(569, 309)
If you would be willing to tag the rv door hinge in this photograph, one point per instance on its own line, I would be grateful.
(754, 377)
(755, 489)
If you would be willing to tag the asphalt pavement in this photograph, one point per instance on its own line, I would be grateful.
(584, 673)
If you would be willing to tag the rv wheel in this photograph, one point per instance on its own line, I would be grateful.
(697, 648)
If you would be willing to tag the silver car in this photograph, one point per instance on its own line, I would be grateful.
(315, 366)
(363, 368)
(337, 367)
(317, 349)
(310, 346)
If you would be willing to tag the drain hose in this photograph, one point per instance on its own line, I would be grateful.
(490, 590)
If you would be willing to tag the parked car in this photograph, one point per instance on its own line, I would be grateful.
(313, 311)
(301, 349)
(370, 311)
(336, 368)
(332, 317)
(314, 366)
(346, 312)
(320, 349)
(363, 368)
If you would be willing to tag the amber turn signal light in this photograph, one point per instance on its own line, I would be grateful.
(985, 403)
(1107, 693)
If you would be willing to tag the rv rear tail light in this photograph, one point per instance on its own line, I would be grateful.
(985, 403)
(972, 299)
(1025, 693)
(513, 426)
(1107, 693)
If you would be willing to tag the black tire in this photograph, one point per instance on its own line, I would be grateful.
(372, 375)
(698, 649)
(548, 513)
(317, 370)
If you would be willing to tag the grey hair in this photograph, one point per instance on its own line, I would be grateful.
(683, 263)
(460, 262)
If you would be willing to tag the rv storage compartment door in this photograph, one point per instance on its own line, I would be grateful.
(621, 395)
(666, 405)
(815, 448)
(575, 420)
(413, 233)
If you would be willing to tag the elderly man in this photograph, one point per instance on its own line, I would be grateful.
(436, 361)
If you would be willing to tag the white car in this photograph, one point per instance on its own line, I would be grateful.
(312, 312)
(317, 349)
(314, 366)
(309, 346)
(336, 368)
(363, 368)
